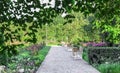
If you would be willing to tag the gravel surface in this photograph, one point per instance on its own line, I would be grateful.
(59, 60)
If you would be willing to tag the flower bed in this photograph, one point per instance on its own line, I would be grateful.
(28, 60)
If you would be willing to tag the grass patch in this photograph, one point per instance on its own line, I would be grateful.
(42, 53)
(109, 68)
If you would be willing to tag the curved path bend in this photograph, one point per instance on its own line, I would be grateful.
(59, 60)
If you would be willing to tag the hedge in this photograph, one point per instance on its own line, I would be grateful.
(100, 55)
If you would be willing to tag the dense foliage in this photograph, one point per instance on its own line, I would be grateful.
(106, 13)
(21, 21)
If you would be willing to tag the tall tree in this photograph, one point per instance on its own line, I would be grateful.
(16, 13)
(107, 13)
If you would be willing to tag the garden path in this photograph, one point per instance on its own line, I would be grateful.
(59, 60)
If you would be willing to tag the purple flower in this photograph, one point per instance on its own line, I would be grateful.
(101, 44)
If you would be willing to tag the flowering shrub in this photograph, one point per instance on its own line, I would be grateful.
(101, 44)
(90, 43)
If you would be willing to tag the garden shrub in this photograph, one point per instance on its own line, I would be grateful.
(7, 52)
(85, 54)
(108, 60)
(99, 55)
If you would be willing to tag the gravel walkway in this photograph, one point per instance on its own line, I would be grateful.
(59, 60)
